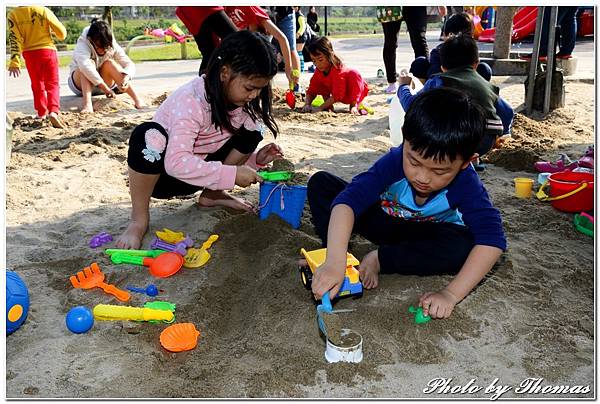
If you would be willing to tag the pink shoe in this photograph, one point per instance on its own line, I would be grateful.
(562, 164)
(587, 160)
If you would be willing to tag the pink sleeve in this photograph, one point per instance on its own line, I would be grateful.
(183, 164)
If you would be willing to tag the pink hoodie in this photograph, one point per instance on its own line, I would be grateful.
(185, 115)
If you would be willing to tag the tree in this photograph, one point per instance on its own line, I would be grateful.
(504, 26)
(107, 16)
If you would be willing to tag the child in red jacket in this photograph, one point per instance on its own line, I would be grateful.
(334, 81)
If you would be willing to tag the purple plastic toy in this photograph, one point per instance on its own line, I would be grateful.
(99, 239)
(179, 248)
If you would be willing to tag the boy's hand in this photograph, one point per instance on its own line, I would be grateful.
(245, 176)
(404, 78)
(14, 71)
(268, 153)
(328, 278)
(438, 304)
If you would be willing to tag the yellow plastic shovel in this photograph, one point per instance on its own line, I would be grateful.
(196, 257)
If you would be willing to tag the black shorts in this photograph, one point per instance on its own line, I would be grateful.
(140, 160)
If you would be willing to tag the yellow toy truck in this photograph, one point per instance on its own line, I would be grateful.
(314, 258)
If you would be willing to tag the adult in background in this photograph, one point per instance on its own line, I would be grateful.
(285, 20)
(416, 23)
(566, 33)
(206, 23)
(311, 18)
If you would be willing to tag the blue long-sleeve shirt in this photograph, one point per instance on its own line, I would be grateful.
(503, 108)
(463, 202)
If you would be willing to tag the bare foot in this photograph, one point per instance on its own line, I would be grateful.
(210, 198)
(55, 120)
(87, 110)
(140, 105)
(369, 270)
(132, 237)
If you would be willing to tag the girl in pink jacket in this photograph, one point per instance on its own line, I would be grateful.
(204, 136)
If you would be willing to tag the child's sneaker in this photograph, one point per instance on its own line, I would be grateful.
(587, 160)
(392, 88)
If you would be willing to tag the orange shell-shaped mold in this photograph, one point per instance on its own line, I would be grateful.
(179, 337)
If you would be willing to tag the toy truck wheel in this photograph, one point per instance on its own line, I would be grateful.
(306, 277)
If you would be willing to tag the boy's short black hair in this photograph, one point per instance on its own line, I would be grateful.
(460, 23)
(458, 51)
(444, 123)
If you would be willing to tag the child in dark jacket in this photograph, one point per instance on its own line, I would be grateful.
(334, 81)
(460, 56)
(422, 204)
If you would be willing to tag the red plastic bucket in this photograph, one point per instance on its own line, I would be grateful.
(581, 187)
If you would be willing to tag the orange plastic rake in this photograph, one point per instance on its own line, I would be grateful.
(93, 277)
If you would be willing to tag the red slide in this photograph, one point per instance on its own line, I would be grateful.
(523, 25)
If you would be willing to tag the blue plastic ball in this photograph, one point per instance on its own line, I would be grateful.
(17, 302)
(79, 319)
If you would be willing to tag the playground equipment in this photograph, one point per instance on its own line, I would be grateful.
(17, 302)
(315, 258)
(523, 25)
(173, 32)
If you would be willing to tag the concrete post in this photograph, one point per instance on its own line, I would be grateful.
(504, 20)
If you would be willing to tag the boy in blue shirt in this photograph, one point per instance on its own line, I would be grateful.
(422, 203)
(459, 57)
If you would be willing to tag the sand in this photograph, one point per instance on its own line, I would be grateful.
(531, 317)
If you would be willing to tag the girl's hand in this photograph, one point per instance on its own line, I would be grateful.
(354, 110)
(268, 153)
(106, 90)
(245, 176)
(328, 278)
(14, 71)
(438, 304)
(307, 108)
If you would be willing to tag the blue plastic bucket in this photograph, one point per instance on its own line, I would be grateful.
(286, 201)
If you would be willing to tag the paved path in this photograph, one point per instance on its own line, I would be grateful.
(364, 54)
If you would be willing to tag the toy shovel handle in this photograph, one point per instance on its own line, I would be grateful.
(134, 253)
(206, 245)
(127, 259)
(115, 291)
(325, 305)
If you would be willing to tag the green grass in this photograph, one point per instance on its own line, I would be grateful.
(155, 53)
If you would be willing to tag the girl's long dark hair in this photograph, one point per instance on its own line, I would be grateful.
(100, 33)
(249, 54)
(324, 46)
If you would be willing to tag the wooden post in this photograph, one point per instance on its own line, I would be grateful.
(504, 20)
(550, 55)
(534, 61)
(325, 28)
(184, 49)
